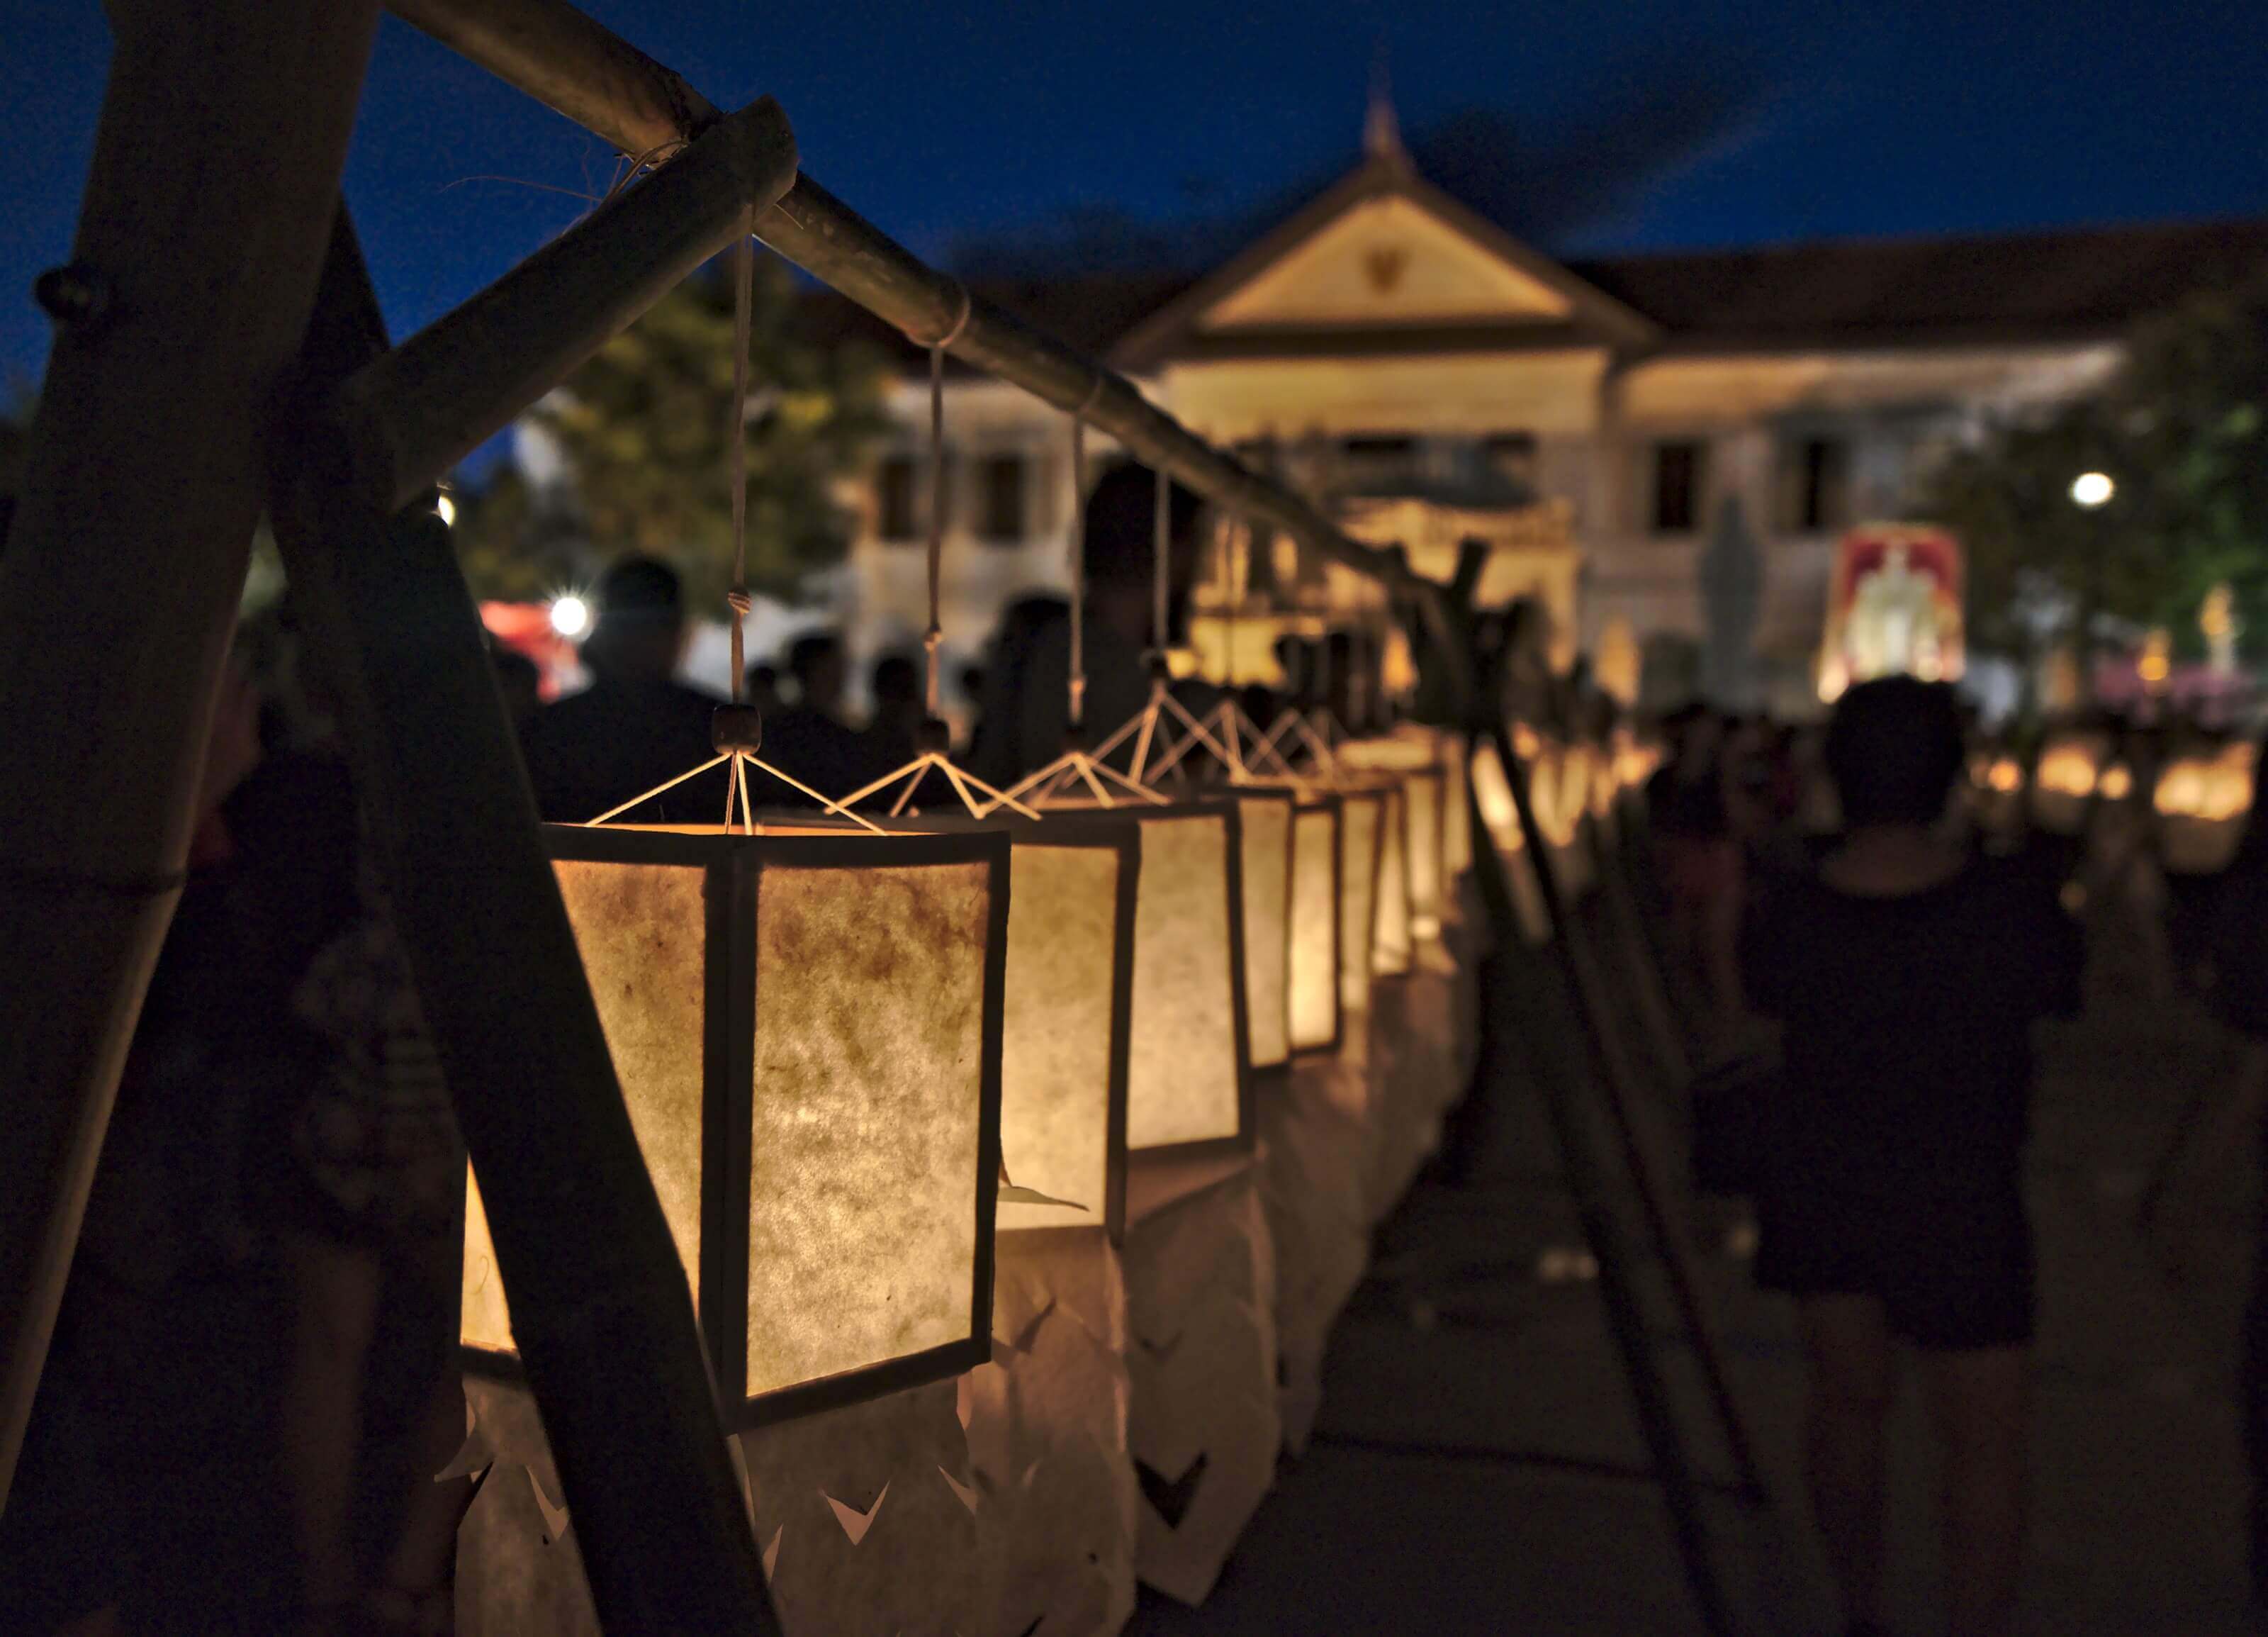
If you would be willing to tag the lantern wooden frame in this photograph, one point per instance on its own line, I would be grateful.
(732, 865)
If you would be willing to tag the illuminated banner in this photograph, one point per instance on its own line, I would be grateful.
(1894, 605)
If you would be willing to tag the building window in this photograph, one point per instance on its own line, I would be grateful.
(1680, 469)
(1002, 492)
(1512, 457)
(1386, 460)
(896, 487)
(1814, 485)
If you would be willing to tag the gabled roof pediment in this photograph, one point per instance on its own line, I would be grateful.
(1387, 260)
(1384, 250)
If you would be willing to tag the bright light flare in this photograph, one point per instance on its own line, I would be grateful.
(446, 510)
(570, 616)
(2092, 489)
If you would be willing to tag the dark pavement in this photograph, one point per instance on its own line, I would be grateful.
(1477, 1466)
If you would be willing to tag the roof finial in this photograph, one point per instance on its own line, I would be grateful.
(1381, 131)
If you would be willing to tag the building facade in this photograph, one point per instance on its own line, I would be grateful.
(1620, 431)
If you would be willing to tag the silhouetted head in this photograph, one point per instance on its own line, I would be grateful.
(816, 661)
(641, 624)
(1894, 749)
(897, 680)
(1121, 520)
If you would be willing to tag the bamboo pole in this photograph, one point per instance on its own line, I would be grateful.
(572, 63)
(422, 406)
(215, 172)
(601, 1312)
(601, 1306)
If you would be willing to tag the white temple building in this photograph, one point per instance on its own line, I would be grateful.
(1432, 380)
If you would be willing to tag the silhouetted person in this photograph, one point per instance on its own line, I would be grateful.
(521, 681)
(810, 740)
(636, 726)
(893, 735)
(1907, 972)
(764, 688)
(1121, 524)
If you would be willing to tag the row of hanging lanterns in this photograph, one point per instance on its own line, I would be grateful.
(856, 1046)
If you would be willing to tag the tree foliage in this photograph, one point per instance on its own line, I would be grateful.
(642, 429)
(2181, 429)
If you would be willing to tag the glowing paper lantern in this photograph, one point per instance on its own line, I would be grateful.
(1264, 819)
(1413, 761)
(1362, 823)
(2064, 781)
(1392, 930)
(1313, 966)
(808, 1030)
(2202, 802)
(1189, 1085)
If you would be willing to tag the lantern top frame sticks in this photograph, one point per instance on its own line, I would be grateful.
(827, 1144)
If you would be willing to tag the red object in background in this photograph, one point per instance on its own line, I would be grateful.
(526, 629)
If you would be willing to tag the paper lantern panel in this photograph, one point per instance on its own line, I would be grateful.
(1362, 814)
(1391, 944)
(1188, 1079)
(808, 1031)
(1265, 821)
(1067, 1018)
(1314, 968)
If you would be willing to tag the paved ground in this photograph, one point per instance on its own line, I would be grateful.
(1463, 1478)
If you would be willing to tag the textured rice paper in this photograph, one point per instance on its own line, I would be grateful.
(1361, 816)
(1391, 949)
(1315, 1160)
(1048, 1438)
(867, 1517)
(1264, 831)
(866, 1116)
(642, 931)
(1183, 1073)
(520, 1571)
(1421, 789)
(1312, 968)
(1055, 1032)
(1204, 1428)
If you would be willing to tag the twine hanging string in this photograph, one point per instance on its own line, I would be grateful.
(736, 444)
(1076, 692)
(934, 638)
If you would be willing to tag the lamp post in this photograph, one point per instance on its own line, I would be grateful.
(2090, 492)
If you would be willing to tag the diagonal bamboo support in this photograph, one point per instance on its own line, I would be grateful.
(601, 1307)
(215, 175)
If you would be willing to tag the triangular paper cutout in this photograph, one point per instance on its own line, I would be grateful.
(855, 1522)
(962, 1492)
(554, 1517)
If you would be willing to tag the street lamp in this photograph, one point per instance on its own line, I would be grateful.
(2090, 492)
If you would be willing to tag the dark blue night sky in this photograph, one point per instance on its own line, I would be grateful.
(1592, 127)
